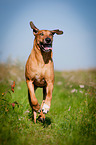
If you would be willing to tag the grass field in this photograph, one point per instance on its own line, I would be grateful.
(70, 121)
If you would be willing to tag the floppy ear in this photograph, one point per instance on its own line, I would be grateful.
(35, 30)
(57, 31)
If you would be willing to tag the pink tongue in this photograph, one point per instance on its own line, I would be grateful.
(47, 48)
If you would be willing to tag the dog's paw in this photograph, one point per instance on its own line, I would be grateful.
(41, 119)
(45, 108)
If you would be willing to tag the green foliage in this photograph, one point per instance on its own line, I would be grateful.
(71, 119)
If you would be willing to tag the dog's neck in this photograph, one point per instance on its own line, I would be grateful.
(46, 57)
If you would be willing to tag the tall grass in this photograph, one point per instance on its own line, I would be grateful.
(71, 119)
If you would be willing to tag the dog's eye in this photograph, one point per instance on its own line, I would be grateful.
(50, 34)
(41, 34)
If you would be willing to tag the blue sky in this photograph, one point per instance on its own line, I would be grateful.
(75, 49)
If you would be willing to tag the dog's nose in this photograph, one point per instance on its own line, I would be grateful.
(48, 40)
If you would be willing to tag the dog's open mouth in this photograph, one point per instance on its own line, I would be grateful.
(45, 47)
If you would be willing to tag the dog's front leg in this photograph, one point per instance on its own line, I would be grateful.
(48, 99)
(32, 99)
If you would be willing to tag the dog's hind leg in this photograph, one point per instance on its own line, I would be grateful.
(44, 97)
(41, 115)
(35, 114)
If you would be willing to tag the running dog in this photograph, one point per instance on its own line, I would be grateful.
(39, 71)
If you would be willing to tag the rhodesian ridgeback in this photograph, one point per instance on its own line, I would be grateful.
(39, 70)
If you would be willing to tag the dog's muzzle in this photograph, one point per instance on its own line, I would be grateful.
(46, 46)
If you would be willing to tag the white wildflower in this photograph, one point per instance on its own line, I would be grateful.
(59, 83)
(27, 111)
(81, 91)
(81, 86)
(69, 108)
(19, 88)
(74, 90)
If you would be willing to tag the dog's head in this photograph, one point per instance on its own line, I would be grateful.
(44, 38)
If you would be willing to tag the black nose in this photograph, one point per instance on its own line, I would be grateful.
(48, 40)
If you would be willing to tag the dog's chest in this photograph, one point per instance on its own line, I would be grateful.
(39, 80)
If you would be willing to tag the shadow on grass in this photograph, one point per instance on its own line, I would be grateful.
(47, 122)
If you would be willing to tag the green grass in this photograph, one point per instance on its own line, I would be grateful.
(70, 121)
